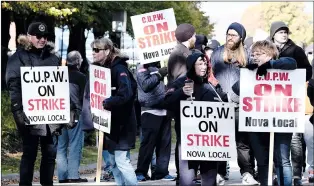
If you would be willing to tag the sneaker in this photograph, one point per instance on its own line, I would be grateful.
(108, 176)
(168, 178)
(140, 177)
(79, 180)
(311, 177)
(248, 179)
(297, 182)
(220, 180)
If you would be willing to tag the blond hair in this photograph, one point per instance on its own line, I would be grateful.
(106, 43)
(266, 46)
(238, 54)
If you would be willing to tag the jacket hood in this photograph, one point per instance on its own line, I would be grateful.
(120, 60)
(190, 63)
(27, 45)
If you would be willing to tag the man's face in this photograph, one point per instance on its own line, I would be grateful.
(38, 41)
(281, 36)
(200, 67)
(99, 54)
(232, 39)
(192, 41)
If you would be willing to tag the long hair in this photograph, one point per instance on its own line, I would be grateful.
(106, 43)
(237, 54)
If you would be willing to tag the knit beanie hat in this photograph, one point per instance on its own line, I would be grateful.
(184, 32)
(239, 29)
(276, 26)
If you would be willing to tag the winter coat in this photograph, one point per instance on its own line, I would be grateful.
(203, 91)
(26, 55)
(177, 62)
(290, 49)
(121, 104)
(151, 90)
(226, 73)
(284, 63)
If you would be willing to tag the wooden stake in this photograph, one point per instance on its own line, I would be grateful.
(271, 158)
(99, 158)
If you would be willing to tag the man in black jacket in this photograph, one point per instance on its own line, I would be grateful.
(34, 51)
(279, 34)
(70, 142)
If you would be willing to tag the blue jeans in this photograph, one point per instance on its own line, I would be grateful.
(106, 157)
(260, 145)
(122, 168)
(71, 140)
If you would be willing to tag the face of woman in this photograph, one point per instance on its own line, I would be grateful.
(200, 67)
(99, 54)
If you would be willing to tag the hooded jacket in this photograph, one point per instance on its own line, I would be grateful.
(27, 55)
(203, 91)
(290, 49)
(121, 104)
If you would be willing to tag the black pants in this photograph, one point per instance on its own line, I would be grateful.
(245, 153)
(156, 131)
(48, 148)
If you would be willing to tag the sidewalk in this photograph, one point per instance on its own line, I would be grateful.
(234, 179)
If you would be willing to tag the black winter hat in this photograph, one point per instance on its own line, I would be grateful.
(37, 28)
(276, 26)
(212, 44)
(184, 32)
(192, 58)
(239, 29)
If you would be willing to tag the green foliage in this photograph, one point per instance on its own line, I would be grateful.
(10, 139)
(292, 13)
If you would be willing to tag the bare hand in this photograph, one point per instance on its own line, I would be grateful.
(187, 90)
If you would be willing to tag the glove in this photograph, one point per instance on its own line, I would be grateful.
(163, 71)
(74, 119)
(252, 66)
(262, 70)
(21, 121)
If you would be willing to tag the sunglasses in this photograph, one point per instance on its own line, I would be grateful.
(41, 36)
(96, 50)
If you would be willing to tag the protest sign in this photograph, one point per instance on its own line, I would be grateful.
(274, 103)
(45, 94)
(100, 89)
(154, 34)
(207, 131)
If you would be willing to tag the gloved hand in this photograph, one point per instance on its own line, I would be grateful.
(74, 118)
(21, 121)
(262, 70)
(163, 71)
(252, 66)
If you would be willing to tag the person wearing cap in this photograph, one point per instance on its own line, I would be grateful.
(212, 45)
(226, 61)
(202, 91)
(279, 35)
(70, 142)
(186, 38)
(33, 50)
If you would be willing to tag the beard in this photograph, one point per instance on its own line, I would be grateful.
(231, 45)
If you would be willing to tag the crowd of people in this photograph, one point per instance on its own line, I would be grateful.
(197, 68)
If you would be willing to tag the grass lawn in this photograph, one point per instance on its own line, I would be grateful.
(10, 162)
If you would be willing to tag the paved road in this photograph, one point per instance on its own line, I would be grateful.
(235, 178)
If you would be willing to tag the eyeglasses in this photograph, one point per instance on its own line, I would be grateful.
(232, 35)
(257, 54)
(96, 50)
(41, 36)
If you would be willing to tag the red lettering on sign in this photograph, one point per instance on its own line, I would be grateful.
(208, 140)
(46, 104)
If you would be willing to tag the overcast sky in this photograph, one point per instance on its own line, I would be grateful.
(224, 13)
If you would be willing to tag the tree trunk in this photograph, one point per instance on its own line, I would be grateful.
(5, 38)
(77, 42)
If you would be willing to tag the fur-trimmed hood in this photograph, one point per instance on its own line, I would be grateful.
(27, 45)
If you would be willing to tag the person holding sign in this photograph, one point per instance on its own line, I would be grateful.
(121, 104)
(265, 56)
(34, 51)
(226, 61)
(202, 91)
